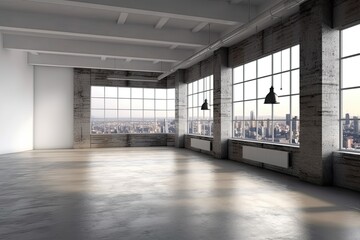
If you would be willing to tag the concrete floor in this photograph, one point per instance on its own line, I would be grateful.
(163, 193)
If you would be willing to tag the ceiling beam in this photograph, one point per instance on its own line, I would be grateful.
(88, 48)
(160, 24)
(199, 27)
(98, 30)
(94, 62)
(122, 18)
(202, 11)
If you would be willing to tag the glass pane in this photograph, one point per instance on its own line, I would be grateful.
(351, 72)
(171, 104)
(350, 103)
(149, 104)
(295, 131)
(238, 92)
(171, 93)
(350, 134)
(97, 114)
(136, 115)
(238, 111)
(286, 59)
(195, 113)
(195, 87)
(111, 92)
(280, 110)
(125, 127)
(136, 92)
(149, 93)
(124, 103)
(264, 130)
(190, 103)
(250, 110)
(264, 85)
(190, 90)
(282, 84)
(160, 104)
(295, 107)
(207, 97)
(211, 82)
(160, 115)
(201, 99)
(136, 104)
(97, 127)
(171, 115)
(250, 90)
(110, 114)
(201, 85)
(277, 62)
(124, 115)
(160, 93)
(350, 41)
(190, 114)
(195, 100)
(264, 66)
(295, 82)
(250, 129)
(110, 103)
(97, 103)
(238, 74)
(148, 115)
(264, 110)
(124, 92)
(97, 91)
(250, 70)
(207, 83)
(295, 57)
(238, 129)
(281, 132)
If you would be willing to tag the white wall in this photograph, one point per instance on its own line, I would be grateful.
(16, 101)
(53, 103)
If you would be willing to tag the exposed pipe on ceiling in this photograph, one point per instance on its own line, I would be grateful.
(259, 23)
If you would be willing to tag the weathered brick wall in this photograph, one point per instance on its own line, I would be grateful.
(84, 79)
(130, 140)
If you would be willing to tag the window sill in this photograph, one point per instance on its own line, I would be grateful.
(203, 136)
(266, 143)
(110, 134)
(347, 152)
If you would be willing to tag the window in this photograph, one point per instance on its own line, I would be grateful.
(200, 122)
(132, 110)
(252, 119)
(350, 88)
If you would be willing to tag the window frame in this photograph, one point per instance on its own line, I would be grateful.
(132, 120)
(209, 91)
(272, 121)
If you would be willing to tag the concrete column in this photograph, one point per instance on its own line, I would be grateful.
(319, 92)
(222, 103)
(82, 108)
(180, 108)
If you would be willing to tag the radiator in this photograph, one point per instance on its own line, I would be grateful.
(200, 144)
(272, 157)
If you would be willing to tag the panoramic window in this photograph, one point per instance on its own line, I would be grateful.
(350, 88)
(132, 110)
(252, 119)
(200, 122)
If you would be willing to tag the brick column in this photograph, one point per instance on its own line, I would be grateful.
(319, 92)
(82, 108)
(180, 108)
(222, 103)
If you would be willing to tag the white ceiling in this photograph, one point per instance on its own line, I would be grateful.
(142, 35)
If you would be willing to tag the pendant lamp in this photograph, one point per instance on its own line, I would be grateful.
(271, 97)
(205, 105)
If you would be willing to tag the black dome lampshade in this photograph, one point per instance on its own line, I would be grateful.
(271, 97)
(205, 105)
